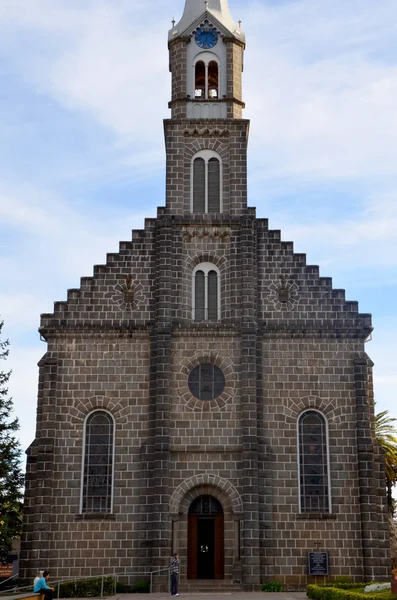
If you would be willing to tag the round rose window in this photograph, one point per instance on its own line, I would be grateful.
(206, 382)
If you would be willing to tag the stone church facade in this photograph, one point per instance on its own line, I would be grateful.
(206, 390)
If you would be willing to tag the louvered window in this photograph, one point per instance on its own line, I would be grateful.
(206, 293)
(200, 296)
(98, 463)
(199, 169)
(212, 296)
(313, 463)
(206, 183)
(214, 195)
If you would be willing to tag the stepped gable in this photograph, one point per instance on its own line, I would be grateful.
(120, 293)
(292, 295)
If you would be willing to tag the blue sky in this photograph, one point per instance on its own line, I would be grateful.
(84, 87)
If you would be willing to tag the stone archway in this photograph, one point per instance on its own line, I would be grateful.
(227, 537)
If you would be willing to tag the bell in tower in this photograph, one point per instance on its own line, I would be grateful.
(206, 61)
(206, 137)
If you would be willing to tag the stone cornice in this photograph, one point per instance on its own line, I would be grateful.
(187, 328)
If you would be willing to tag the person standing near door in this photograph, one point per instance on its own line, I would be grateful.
(174, 574)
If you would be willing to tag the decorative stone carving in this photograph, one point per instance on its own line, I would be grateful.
(129, 295)
(206, 133)
(284, 295)
(129, 290)
(216, 233)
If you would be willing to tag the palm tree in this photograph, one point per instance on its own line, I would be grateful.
(386, 435)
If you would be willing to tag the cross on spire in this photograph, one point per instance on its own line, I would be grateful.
(206, 4)
(173, 22)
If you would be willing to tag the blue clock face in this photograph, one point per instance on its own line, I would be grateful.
(206, 38)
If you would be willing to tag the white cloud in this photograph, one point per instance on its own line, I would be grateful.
(323, 105)
(23, 388)
(320, 83)
(365, 240)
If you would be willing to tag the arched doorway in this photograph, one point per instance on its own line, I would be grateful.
(206, 554)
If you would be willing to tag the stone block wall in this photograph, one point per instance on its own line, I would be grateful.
(300, 374)
(130, 351)
(184, 138)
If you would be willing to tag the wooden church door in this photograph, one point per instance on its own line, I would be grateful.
(206, 555)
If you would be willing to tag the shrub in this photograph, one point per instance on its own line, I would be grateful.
(319, 592)
(344, 586)
(272, 586)
(86, 588)
(141, 587)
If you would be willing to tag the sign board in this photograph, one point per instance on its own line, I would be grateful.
(318, 563)
(5, 570)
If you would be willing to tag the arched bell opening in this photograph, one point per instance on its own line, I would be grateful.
(213, 80)
(206, 539)
(199, 87)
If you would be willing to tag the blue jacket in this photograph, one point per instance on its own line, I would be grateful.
(41, 585)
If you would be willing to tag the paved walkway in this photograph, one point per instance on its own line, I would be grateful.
(218, 595)
(202, 596)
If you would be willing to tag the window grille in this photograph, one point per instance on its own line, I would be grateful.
(206, 382)
(98, 463)
(313, 463)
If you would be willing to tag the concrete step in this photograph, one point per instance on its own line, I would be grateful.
(208, 585)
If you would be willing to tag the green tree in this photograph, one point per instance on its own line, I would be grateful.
(386, 434)
(11, 476)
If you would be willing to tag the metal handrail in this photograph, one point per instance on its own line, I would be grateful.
(9, 578)
(67, 579)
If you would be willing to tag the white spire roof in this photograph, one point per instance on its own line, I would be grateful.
(196, 8)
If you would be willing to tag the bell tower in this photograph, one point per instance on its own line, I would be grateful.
(206, 137)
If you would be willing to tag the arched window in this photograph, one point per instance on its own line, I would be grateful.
(206, 77)
(314, 481)
(200, 80)
(206, 505)
(206, 183)
(213, 79)
(206, 293)
(97, 489)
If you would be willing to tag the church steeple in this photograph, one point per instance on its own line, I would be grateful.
(206, 137)
(206, 61)
(217, 8)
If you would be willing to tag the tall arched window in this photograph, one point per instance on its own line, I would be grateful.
(206, 194)
(314, 481)
(213, 79)
(97, 489)
(206, 77)
(200, 80)
(206, 293)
